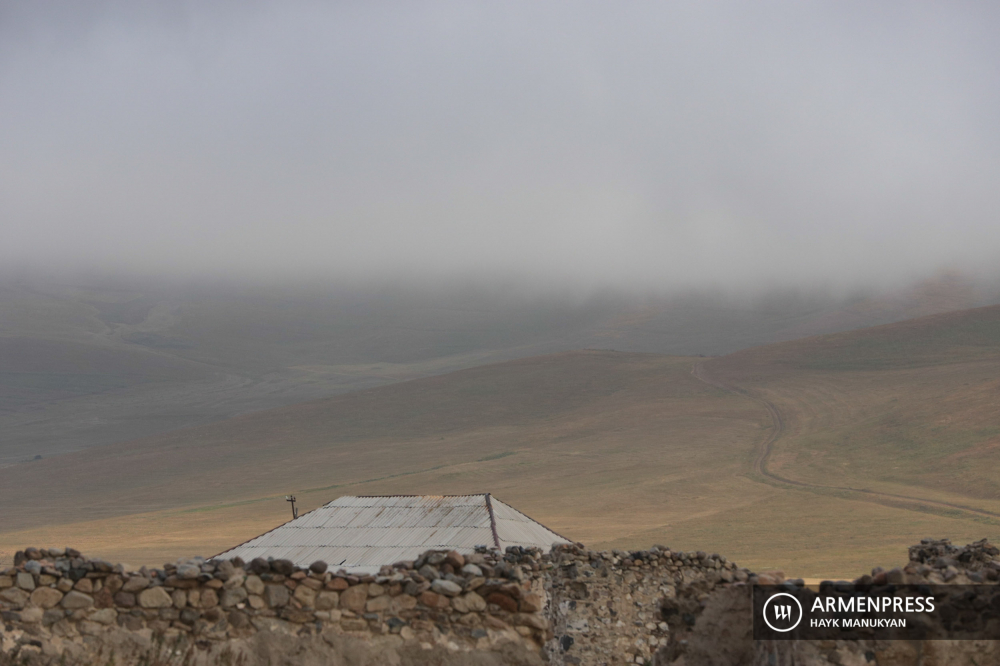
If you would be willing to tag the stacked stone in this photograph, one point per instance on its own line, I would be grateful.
(476, 599)
(658, 559)
(615, 607)
(937, 561)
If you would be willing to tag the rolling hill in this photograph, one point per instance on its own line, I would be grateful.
(817, 456)
(88, 362)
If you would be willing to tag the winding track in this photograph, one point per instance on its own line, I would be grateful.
(765, 448)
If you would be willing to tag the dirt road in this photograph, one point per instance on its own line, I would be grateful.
(766, 447)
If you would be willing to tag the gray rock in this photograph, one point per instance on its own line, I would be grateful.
(327, 600)
(75, 600)
(135, 584)
(254, 584)
(446, 587)
(154, 597)
(429, 572)
(472, 571)
(52, 616)
(26, 581)
(14, 595)
(104, 616)
(259, 566)
(188, 571)
(224, 570)
(32, 615)
(474, 602)
(232, 597)
(284, 567)
(276, 595)
(46, 597)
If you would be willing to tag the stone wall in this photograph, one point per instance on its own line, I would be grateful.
(932, 561)
(625, 607)
(569, 606)
(55, 602)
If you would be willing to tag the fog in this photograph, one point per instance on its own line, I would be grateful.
(650, 145)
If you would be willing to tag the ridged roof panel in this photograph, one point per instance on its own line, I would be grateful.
(363, 534)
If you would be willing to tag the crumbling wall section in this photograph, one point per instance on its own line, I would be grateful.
(616, 607)
(55, 602)
(571, 606)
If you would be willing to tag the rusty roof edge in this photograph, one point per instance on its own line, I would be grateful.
(493, 522)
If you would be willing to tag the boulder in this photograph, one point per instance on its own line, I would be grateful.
(471, 571)
(208, 599)
(305, 596)
(232, 597)
(153, 597)
(46, 597)
(379, 603)
(75, 600)
(124, 599)
(188, 571)
(104, 616)
(135, 584)
(254, 584)
(354, 598)
(276, 595)
(32, 615)
(283, 567)
(503, 601)
(474, 602)
(327, 600)
(337, 584)
(435, 600)
(446, 587)
(403, 602)
(532, 602)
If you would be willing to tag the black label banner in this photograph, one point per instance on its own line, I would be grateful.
(843, 611)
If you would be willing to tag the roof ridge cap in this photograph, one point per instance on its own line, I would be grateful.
(493, 521)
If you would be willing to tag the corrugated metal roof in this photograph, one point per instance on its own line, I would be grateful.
(364, 533)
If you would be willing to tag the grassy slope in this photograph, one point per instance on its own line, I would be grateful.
(613, 449)
(913, 405)
(91, 362)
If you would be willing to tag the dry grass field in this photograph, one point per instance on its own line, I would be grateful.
(887, 436)
(89, 362)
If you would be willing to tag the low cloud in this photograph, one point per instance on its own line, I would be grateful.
(648, 144)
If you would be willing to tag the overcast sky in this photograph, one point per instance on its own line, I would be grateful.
(671, 144)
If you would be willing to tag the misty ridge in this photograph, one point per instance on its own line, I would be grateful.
(649, 147)
(88, 360)
(212, 208)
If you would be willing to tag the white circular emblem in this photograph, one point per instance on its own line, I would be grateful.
(785, 610)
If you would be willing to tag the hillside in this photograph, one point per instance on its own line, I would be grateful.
(91, 362)
(553, 434)
(817, 456)
(909, 409)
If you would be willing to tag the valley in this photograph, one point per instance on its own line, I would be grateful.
(819, 456)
